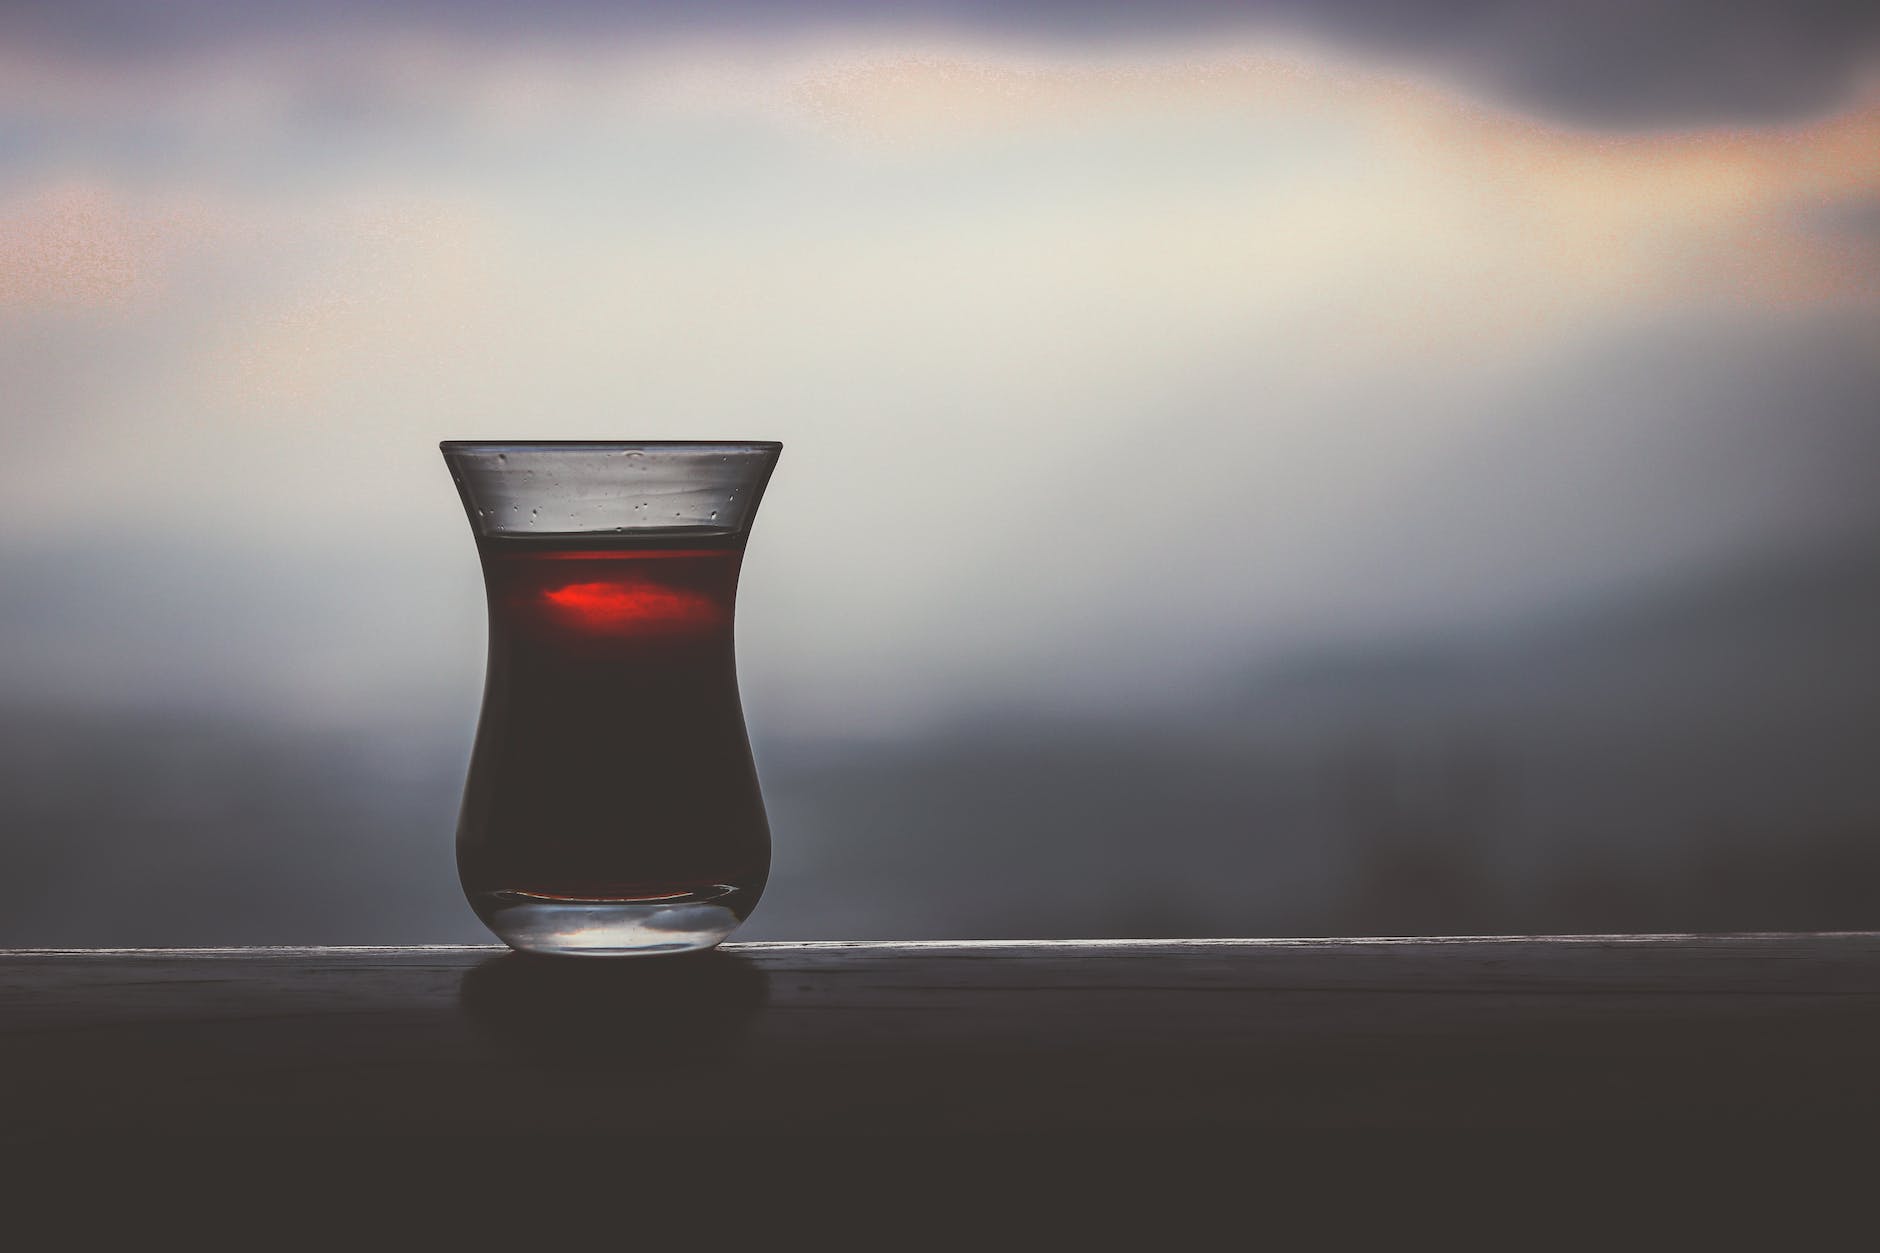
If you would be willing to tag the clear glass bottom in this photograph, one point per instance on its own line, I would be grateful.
(613, 928)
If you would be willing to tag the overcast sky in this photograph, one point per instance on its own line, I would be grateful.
(1112, 354)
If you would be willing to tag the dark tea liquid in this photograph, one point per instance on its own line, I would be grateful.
(611, 762)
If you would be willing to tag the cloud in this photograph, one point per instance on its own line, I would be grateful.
(1145, 355)
(1619, 64)
(76, 245)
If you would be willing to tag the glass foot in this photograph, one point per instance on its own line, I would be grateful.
(610, 928)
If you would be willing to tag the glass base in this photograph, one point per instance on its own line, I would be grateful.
(601, 928)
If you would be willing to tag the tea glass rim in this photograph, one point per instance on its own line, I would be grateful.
(588, 445)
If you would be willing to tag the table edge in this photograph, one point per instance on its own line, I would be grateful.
(1653, 939)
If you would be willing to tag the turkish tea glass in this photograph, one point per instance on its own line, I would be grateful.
(612, 806)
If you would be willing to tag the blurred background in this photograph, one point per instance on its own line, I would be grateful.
(1285, 468)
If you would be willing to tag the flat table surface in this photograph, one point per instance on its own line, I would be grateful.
(1073, 1039)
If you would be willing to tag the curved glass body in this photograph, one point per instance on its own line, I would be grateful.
(612, 806)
